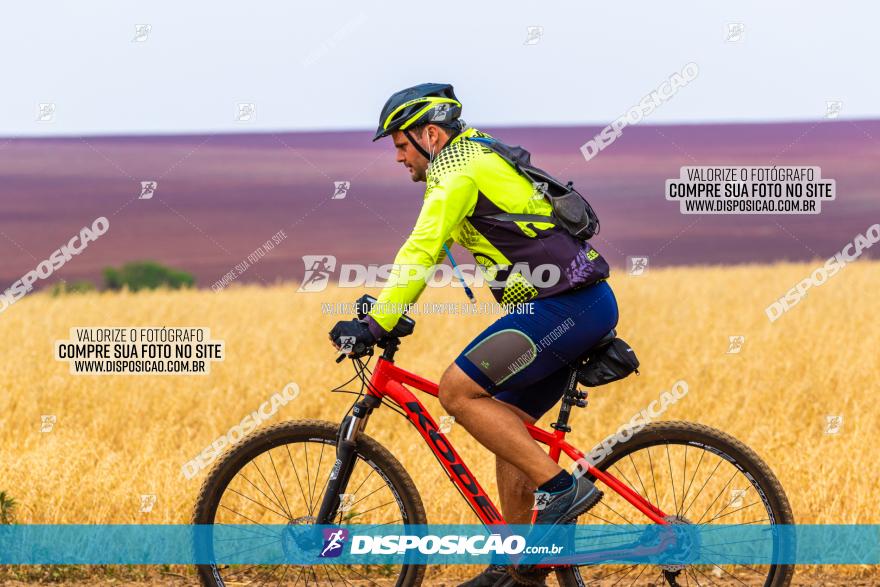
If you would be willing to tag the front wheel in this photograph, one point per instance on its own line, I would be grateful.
(279, 475)
(696, 475)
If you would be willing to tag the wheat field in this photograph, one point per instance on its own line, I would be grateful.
(117, 437)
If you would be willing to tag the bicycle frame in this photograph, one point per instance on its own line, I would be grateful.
(388, 381)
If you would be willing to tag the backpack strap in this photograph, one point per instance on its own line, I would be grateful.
(510, 217)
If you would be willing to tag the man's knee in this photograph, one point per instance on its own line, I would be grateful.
(447, 390)
(456, 387)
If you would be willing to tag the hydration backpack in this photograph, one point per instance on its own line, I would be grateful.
(571, 210)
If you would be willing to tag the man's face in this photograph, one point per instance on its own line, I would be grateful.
(407, 154)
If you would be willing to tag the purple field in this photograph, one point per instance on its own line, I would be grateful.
(220, 197)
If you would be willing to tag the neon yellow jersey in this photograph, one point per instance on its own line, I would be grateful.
(467, 182)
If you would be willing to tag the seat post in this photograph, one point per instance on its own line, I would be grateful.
(571, 397)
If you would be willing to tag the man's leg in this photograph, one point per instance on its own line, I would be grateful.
(494, 425)
(515, 489)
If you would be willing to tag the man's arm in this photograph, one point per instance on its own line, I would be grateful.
(448, 202)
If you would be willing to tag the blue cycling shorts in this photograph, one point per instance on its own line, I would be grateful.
(524, 358)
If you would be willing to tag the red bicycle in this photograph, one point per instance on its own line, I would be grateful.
(666, 473)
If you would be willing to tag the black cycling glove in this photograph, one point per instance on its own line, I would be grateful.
(357, 336)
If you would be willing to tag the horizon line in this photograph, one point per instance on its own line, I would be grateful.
(370, 130)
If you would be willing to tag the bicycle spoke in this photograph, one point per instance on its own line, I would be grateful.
(704, 574)
(266, 481)
(344, 580)
(365, 528)
(318, 472)
(653, 479)
(366, 496)
(726, 544)
(631, 569)
(729, 503)
(270, 571)
(240, 571)
(610, 574)
(642, 483)
(280, 483)
(728, 573)
(284, 574)
(644, 568)
(360, 575)
(245, 517)
(258, 503)
(308, 477)
(263, 493)
(749, 568)
(377, 507)
(718, 516)
(712, 474)
(720, 493)
(628, 483)
(364, 481)
(315, 575)
(694, 476)
(240, 528)
(253, 548)
(615, 511)
(603, 519)
(671, 477)
(726, 526)
(295, 472)
(683, 477)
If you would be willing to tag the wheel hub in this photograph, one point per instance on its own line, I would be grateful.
(685, 542)
(300, 534)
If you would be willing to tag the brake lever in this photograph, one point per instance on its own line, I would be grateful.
(359, 350)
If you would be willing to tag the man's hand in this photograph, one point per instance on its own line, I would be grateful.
(357, 336)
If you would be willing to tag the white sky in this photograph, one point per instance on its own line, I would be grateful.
(331, 65)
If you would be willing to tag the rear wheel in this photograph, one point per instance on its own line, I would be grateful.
(278, 476)
(696, 475)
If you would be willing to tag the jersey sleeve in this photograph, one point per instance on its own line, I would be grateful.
(447, 202)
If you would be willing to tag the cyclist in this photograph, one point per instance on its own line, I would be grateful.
(517, 369)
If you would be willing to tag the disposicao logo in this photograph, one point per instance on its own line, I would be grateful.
(334, 539)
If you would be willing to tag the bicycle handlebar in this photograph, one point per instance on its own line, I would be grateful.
(404, 327)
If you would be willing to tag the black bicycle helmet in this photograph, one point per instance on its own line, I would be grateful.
(421, 104)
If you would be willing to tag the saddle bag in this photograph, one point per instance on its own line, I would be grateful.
(607, 363)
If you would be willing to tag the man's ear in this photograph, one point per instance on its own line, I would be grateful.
(436, 136)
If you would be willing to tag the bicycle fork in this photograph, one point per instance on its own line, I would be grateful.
(346, 442)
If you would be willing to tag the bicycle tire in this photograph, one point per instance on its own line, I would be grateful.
(674, 432)
(367, 449)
